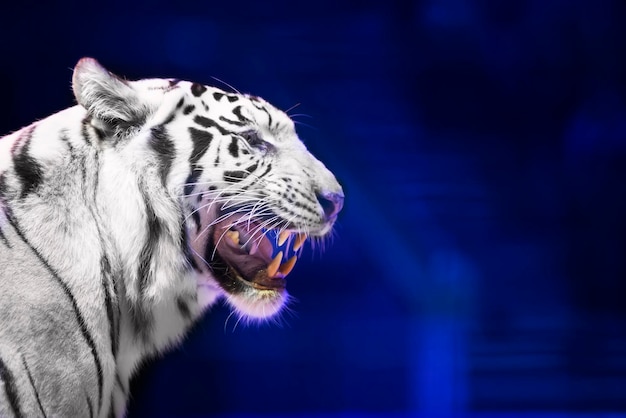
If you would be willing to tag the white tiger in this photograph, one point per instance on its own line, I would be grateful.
(123, 218)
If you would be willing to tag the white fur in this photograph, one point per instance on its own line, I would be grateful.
(92, 206)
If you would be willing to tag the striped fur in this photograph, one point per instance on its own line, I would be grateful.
(108, 218)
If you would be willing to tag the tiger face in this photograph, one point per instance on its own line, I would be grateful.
(255, 194)
(249, 191)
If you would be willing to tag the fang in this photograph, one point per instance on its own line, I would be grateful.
(272, 269)
(286, 268)
(299, 241)
(283, 237)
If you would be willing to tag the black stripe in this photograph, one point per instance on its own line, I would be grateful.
(210, 123)
(89, 405)
(83, 130)
(305, 208)
(232, 98)
(237, 112)
(163, 145)
(233, 148)
(218, 96)
(10, 389)
(106, 270)
(144, 273)
(4, 239)
(198, 89)
(82, 157)
(105, 264)
(118, 380)
(63, 137)
(235, 176)
(292, 199)
(188, 109)
(141, 320)
(169, 118)
(114, 279)
(290, 212)
(3, 187)
(183, 308)
(79, 317)
(267, 170)
(99, 133)
(305, 196)
(26, 167)
(196, 218)
(190, 183)
(184, 245)
(269, 122)
(232, 122)
(201, 143)
(32, 383)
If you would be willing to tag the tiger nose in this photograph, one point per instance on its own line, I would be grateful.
(331, 203)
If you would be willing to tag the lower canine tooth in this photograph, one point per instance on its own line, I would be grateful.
(286, 268)
(273, 266)
(299, 241)
(283, 237)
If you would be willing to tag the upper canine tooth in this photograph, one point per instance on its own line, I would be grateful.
(234, 236)
(286, 268)
(273, 266)
(283, 237)
(299, 241)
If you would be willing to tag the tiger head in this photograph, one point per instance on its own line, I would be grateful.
(230, 168)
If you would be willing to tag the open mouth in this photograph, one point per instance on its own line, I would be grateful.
(260, 257)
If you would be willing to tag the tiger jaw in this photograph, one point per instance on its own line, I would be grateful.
(262, 258)
(249, 263)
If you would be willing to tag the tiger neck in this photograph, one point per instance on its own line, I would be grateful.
(147, 234)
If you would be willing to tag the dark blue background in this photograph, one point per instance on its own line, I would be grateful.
(479, 264)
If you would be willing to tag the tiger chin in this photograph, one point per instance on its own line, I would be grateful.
(125, 217)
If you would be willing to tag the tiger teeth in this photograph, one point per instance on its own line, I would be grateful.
(283, 237)
(299, 241)
(272, 269)
(287, 266)
(234, 236)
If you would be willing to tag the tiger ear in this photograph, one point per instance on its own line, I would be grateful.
(106, 96)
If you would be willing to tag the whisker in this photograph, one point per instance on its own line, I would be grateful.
(292, 108)
(227, 318)
(201, 258)
(305, 124)
(226, 84)
(301, 114)
(240, 317)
